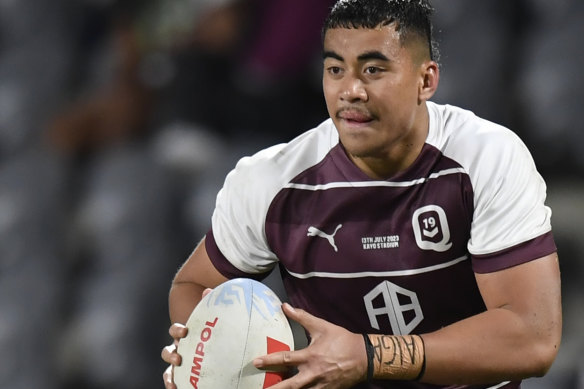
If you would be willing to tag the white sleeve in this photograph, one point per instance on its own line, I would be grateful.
(239, 218)
(509, 193)
(238, 221)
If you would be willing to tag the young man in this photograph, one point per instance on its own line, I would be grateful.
(412, 238)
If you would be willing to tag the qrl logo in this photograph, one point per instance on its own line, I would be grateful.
(391, 295)
(431, 228)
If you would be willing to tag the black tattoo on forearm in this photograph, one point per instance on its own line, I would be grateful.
(397, 357)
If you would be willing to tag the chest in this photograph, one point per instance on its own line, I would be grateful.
(378, 226)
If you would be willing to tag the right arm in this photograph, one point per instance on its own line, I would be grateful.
(196, 274)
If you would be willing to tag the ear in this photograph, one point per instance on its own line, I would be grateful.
(429, 78)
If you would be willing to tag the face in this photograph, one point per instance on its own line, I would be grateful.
(375, 90)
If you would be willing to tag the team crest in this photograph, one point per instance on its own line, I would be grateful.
(431, 228)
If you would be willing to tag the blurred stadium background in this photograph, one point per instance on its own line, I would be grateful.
(120, 118)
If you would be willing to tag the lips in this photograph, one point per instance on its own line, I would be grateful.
(355, 116)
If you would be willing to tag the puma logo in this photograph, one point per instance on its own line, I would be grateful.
(313, 231)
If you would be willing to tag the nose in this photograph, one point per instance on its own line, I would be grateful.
(354, 90)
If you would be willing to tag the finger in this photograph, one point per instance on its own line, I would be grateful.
(276, 361)
(295, 382)
(178, 331)
(305, 319)
(169, 355)
(207, 291)
(168, 378)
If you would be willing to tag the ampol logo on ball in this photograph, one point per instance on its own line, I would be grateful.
(238, 321)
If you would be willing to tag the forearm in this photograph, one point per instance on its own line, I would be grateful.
(494, 346)
(518, 336)
(183, 298)
(196, 275)
(497, 345)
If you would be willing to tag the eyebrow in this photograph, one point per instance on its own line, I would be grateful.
(333, 55)
(369, 55)
(372, 55)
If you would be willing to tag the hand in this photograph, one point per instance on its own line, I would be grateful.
(169, 354)
(334, 359)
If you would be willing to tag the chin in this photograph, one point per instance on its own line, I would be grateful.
(359, 150)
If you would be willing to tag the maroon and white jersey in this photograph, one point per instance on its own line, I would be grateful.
(395, 256)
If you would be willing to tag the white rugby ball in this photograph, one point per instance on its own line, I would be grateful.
(238, 321)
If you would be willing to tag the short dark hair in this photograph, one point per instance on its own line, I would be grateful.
(410, 16)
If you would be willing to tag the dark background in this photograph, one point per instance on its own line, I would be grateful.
(119, 120)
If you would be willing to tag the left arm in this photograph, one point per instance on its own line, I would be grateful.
(517, 337)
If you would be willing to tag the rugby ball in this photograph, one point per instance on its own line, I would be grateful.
(238, 321)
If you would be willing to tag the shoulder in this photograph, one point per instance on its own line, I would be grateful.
(508, 191)
(477, 144)
(238, 222)
(454, 126)
(275, 166)
(250, 188)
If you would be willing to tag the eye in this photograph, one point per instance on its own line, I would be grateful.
(334, 70)
(372, 70)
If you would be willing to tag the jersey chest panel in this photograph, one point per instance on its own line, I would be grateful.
(368, 248)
